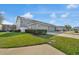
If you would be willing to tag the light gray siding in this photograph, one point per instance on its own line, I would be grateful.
(33, 24)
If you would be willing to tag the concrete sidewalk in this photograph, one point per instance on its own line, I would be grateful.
(69, 35)
(44, 49)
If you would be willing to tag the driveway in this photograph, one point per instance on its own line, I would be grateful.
(65, 35)
(44, 49)
(70, 35)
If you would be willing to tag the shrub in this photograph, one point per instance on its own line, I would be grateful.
(2, 30)
(17, 30)
(11, 30)
(75, 30)
(36, 32)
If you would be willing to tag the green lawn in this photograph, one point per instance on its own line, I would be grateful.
(67, 45)
(16, 39)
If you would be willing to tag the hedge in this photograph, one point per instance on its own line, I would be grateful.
(2, 30)
(36, 31)
(14, 30)
(76, 30)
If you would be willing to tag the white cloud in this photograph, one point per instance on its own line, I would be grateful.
(2, 12)
(53, 15)
(7, 22)
(52, 21)
(65, 15)
(27, 15)
(72, 6)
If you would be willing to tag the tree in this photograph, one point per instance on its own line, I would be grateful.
(68, 27)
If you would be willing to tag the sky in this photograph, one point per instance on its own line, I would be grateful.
(57, 14)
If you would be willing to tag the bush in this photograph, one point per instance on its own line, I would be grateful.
(36, 32)
(2, 30)
(75, 30)
(11, 30)
(17, 30)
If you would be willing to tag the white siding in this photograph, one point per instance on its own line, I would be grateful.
(32, 24)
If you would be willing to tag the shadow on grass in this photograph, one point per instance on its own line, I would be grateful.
(24, 45)
(9, 34)
(47, 36)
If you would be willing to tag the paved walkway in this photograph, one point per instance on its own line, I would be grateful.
(69, 35)
(44, 49)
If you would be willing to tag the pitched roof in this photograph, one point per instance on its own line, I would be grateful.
(33, 20)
